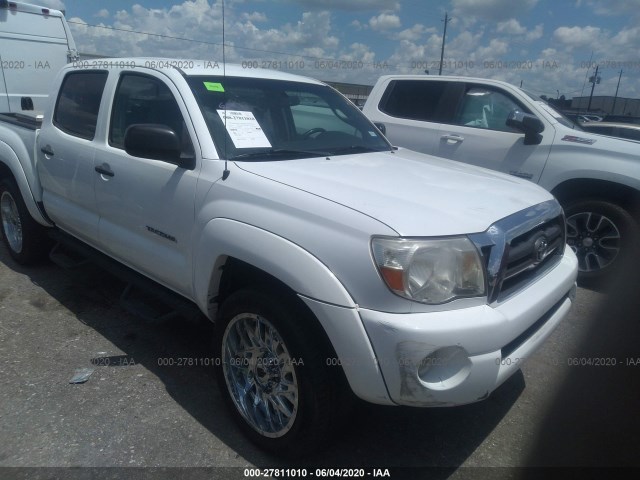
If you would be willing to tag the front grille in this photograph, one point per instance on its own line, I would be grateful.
(531, 252)
(522, 247)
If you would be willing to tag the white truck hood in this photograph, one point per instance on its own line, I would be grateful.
(414, 194)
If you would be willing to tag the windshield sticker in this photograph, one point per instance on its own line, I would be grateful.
(574, 139)
(213, 86)
(244, 129)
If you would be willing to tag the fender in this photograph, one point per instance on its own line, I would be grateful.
(314, 283)
(551, 182)
(291, 264)
(9, 159)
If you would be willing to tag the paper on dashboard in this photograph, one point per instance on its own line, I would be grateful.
(244, 129)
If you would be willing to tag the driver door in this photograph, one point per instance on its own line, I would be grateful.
(477, 134)
(146, 206)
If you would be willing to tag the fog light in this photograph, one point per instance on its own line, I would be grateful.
(444, 368)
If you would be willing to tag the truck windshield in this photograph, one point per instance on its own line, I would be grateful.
(564, 120)
(253, 119)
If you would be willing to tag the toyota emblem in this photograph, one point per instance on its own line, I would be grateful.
(540, 248)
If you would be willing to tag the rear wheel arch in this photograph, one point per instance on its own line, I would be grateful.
(11, 169)
(25, 238)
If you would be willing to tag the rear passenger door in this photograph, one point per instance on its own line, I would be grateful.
(146, 206)
(411, 112)
(65, 153)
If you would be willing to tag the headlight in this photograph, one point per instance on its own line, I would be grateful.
(430, 271)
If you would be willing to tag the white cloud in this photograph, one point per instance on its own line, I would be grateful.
(103, 13)
(414, 33)
(614, 7)
(55, 4)
(536, 33)
(494, 50)
(384, 21)
(353, 5)
(254, 17)
(195, 20)
(513, 27)
(510, 27)
(573, 37)
(495, 10)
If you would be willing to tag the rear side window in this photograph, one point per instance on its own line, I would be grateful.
(78, 103)
(413, 99)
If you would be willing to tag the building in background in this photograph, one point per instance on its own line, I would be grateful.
(605, 104)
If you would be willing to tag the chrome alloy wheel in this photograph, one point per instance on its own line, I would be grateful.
(594, 238)
(259, 373)
(11, 224)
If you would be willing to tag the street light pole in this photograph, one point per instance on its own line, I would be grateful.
(613, 108)
(593, 80)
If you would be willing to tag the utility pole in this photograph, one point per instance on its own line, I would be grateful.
(613, 109)
(444, 35)
(595, 79)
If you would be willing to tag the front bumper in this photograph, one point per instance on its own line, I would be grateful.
(460, 356)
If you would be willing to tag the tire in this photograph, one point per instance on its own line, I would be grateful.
(269, 357)
(601, 234)
(25, 238)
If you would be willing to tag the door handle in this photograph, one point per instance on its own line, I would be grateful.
(47, 150)
(104, 170)
(452, 138)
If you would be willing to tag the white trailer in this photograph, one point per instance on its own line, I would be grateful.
(35, 43)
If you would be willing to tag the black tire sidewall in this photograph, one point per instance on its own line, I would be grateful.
(26, 255)
(624, 222)
(311, 426)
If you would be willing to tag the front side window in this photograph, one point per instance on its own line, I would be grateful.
(78, 103)
(141, 99)
(262, 119)
(486, 108)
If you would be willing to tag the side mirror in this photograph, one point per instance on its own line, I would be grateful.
(156, 142)
(528, 124)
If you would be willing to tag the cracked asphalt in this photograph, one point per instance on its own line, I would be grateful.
(145, 406)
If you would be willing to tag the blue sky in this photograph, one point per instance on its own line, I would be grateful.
(546, 45)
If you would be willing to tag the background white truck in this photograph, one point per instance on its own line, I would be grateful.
(330, 262)
(496, 125)
(35, 43)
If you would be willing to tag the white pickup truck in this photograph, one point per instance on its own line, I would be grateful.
(496, 125)
(329, 261)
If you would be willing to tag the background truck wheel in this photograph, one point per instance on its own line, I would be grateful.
(24, 237)
(273, 373)
(602, 235)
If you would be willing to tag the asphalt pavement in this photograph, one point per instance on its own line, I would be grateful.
(151, 400)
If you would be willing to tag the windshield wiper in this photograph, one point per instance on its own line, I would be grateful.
(279, 152)
(357, 149)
